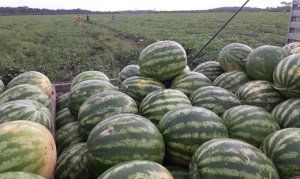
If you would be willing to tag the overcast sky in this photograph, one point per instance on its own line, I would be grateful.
(114, 5)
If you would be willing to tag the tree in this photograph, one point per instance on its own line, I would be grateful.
(286, 5)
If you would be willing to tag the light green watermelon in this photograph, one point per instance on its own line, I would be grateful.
(249, 123)
(283, 148)
(63, 117)
(25, 91)
(234, 56)
(33, 78)
(26, 110)
(229, 158)
(137, 169)
(287, 113)
(101, 106)
(162, 60)
(286, 76)
(262, 61)
(158, 103)
(27, 146)
(188, 81)
(216, 99)
(89, 75)
(62, 102)
(127, 72)
(2, 86)
(259, 93)
(187, 128)
(72, 163)
(123, 137)
(211, 69)
(19, 175)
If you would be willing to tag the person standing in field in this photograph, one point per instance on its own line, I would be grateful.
(87, 18)
(78, 20)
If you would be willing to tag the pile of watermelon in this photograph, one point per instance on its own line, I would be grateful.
(238, 117)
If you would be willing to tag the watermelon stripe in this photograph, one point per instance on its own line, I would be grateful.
(211, 69)
(287, 113)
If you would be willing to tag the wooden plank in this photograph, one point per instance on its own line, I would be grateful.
(296, 2)
(295, 25)
(296, 13)
(293, 36)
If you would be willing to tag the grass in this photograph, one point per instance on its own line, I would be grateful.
(56, 46)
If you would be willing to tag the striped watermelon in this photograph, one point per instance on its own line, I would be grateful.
(139, 87)
(287, 113)
(89, 75)
(63, 117)
(283, 148)
(189, 81)
(26, 110)
(82, 91)
(137, 169)
(25, 91)
(121, 138)
(286, 76)
(128, 71)
(291, 46)
(162, 60)
(2, 86)
(211, 69)
(159, 102)
(19, 175)
(216, 99)
(249, 123)
(187, 68)
(231, 80)
(233, 57)
(187, 128)
(259, 93)
(229, 158)
(101, 106)
(67, 136)
(71, 163)
(62, 102)
(263, 60)
(27, 146)
(178, 172)
(33, 78)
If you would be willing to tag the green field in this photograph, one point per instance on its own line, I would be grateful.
(56, 46)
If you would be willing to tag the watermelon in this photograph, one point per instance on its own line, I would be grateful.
(25, 91)
(189, 81)
(67, 136)
(89, 75)
(187, 68)
(234, 56)
(211, 69)
(137, 169)
(263, 60)
(187, 128)
(249, 123)
(287, 113)
(291, 46)
(27, 146)
(178, 172)
(128, 71)
(123, 137)
(33, 78)
(139, 87)
(283, 148)
(216, 99)
(159, 102)
(162, 60)
(71, 163)
(19, 175)
(62, 102)
(82, 91)
(286, 76)
(229, 158)
(2, 86)
(231, 80)
(26, 110)
(295, 50)
(259, 93)
(101, 106)
(63, 117)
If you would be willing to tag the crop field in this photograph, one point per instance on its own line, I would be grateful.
(56, 46)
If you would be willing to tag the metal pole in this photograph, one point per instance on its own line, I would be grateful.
(215, 35)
